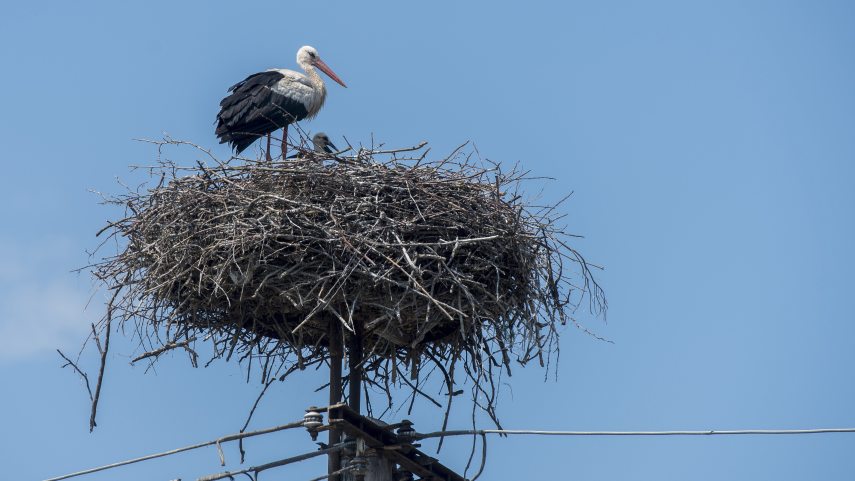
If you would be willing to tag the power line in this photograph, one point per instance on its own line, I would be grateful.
(275, 464)
(334, 473)
(711, 432)
(230, 437)
(436, 434)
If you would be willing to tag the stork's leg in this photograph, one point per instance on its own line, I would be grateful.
(284, 141)
(267, 152)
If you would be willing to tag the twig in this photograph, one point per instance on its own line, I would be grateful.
(166, 347)
(483, 458)
(249, 417)
(103, 351)
(395, 151)
(69, 362)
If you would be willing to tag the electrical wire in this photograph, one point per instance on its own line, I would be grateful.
(436, 434)
(711, 432)
(230, 437)
(275, 464)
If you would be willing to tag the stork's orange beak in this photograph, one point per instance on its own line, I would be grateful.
(325, 69)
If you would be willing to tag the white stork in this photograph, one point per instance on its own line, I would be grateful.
(266, 101)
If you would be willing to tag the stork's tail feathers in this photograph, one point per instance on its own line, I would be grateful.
(238, 141)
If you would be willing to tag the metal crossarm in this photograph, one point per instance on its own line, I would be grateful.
(388, 444)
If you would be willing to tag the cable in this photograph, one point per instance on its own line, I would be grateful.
(711, 432)
(230, 437)
(334, 473)
(275, 464)
(437, 434)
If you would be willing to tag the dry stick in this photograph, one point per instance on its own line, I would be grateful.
(483, 457)
(449, 385)
(103, 352)
(416, 390)
(405, 149)
(336, 352)
(224, 439)
(166, 347)
(69, 362)
(249, 418)
(275, 464)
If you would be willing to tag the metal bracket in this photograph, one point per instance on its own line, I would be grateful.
(388, 444)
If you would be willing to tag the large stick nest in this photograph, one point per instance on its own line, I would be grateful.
(425, 260)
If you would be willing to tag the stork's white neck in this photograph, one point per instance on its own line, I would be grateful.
(319, 88)
(316, 79)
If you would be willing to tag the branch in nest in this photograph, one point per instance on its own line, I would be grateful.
(168, 347)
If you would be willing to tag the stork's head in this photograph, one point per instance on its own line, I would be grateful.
(322, 143)
(308, 57)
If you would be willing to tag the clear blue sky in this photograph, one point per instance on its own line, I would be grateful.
(710, 145)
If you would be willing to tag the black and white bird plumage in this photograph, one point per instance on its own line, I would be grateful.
(270, 100)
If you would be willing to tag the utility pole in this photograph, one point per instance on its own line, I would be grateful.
(376, 467)
(378, 449)
(336, 354)
(354, 356)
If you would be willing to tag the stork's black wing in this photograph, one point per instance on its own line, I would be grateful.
(255, 108)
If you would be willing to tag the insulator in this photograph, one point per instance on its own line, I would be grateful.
(312, 420)
(406, 432)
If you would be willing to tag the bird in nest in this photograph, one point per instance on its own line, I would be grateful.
(321, 144)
